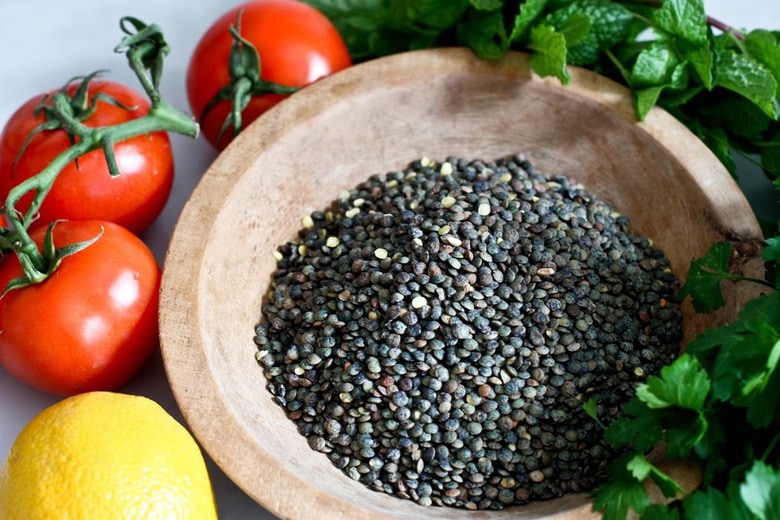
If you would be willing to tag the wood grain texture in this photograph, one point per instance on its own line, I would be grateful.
(370, 119)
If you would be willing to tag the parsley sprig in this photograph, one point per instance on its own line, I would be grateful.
(718, 404)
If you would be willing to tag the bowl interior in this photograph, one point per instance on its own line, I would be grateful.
(370, 119)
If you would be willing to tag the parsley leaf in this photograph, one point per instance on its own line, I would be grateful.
(704, 277)
(622, 493)
(743, 359)
(682, 391)
(761, 491)
(639, 427)
(684, 383)
(712, 504)
(772, 250)
(641, 469)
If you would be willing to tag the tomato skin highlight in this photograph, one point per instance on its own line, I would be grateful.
(297, 46)
(84, 190)
(93, 323)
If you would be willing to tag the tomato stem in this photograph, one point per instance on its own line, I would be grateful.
(244, 65)
(145, 49)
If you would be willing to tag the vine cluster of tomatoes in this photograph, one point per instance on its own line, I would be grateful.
(86, 168)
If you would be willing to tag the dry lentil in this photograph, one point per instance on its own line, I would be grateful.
(438, 344)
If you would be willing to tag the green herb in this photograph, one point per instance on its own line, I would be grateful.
(669, 53)
(719, 402)
(706, 274)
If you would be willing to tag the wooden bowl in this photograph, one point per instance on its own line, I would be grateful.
(370, 119)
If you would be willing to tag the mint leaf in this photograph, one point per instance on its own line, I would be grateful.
(654, 66)
(685, 19)
(576, 28)
(764, 47)
(684, 383)
(739, 115)
(484, 33)
(422, 16)
(761, 491)
(653, 71)
(528, 13)
(487, 5)
(610, 23)
(645, 99)
(749, 78)
(704, 277)
(702, 59)
(680, 80)
(687, 22)
(549, 57)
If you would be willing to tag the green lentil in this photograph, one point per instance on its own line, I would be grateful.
(438, 343)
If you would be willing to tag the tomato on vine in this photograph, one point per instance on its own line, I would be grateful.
(254, 56)
(79, 298)
(85, 189)
(93, 322)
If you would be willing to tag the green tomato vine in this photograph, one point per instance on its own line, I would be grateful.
(145, 49)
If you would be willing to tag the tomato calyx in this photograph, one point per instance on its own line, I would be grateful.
(245, 82)
(145, 49)
(37, 266)
(66, 112)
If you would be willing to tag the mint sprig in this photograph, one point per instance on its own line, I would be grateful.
(668, 52)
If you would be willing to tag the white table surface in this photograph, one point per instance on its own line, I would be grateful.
(45, 42)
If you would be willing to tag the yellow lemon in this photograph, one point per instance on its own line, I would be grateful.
(105, 455)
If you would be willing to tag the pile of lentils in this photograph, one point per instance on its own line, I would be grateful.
(436, 331)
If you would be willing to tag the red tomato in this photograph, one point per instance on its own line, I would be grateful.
(92, 323)
(296, 43)
(85, 190)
